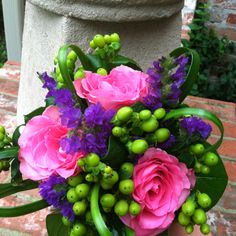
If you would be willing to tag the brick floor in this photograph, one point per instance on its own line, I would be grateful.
(222, 217)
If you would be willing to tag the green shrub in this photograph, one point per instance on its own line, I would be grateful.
(217, 77)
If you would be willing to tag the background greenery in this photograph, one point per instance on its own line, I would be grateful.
(217, 77)
(3, 52)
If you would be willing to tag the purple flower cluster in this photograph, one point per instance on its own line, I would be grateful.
(168, 143)
(195, 125)
(53, 190)
(164, 82)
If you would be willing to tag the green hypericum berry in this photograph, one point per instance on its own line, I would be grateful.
(72, 56)
(126, 186)
(150, 125)
(159, 113)
(204, 200)
(1, 165)
(205, 229)
(72, 233)
(121, 208)
(65, 221)
(89, 178)
(134, 208)
(107, 200)
(5, 165)
(99, 41)
(197, 167)
(75, 180)
(81, 162)
(82, 190)
(105, 185)
(92, 44)
(2, 136)
(210, 159)
(60, 78)
(127, 167)
(198, 149)
(108, 170)
(115, 37)
(79, 74)
(79, 208)
(183, 219)
(124, 114)
(71, 195)
(139, 146)
(199, 217)
(145, 114)
(189, 229)
(92, 159)
(162, 135)
(101, 71)
(113, 179)
(205, 170)
(70, 65)
(188, 208)
(2, 129)
(79, 229)
(117, 131)
(107, 38)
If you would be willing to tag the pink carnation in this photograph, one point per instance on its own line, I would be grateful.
(40, 153)
(122, 87)
(162, 184)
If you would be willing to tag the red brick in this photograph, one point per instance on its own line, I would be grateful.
(8, 121)
(184, 34)
(229, 129)
(229, 194)
(231, 19)
(230, 167)
(9, 86)
(228, 32)
(8, 102)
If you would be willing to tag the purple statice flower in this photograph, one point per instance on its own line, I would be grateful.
(196, 125)
(53, 190)
(63, 98)
(164, 82)
(168, 143)
(49, 83)
(71, 144)
(71, 117)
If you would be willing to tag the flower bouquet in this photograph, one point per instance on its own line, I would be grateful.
(115, 151)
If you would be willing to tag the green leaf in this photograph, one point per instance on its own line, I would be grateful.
(34, 113)
(192, 74)
(121, 60)
(137, 107)
(214, 183)
(55, 227)
(96, 214)
(187, 158)
(9, 153)
(96, 62)
(116, 153)
(62, 62)
(16, 136)
(22, 210)
(16, 175)
(11, 188)
(177, 113)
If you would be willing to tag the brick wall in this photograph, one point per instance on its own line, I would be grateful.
(222, 17)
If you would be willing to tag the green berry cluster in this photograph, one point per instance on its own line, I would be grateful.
(193, 212)
(204, 160)
(5, 140)
(106, 46)
(117, 187)
(144, 123)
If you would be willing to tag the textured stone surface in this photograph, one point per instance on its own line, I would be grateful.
(112, 10)
(142, 41)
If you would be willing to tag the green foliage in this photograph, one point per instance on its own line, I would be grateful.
(217, 77)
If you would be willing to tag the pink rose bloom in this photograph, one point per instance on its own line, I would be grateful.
(40, 153)
(162, 184)
(122, 87)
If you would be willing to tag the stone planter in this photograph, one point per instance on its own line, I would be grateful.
(148, 29)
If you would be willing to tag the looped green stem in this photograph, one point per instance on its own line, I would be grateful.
(203, 114)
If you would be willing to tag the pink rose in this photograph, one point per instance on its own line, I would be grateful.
(162, 184)
(40, 152)
(122, 87)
